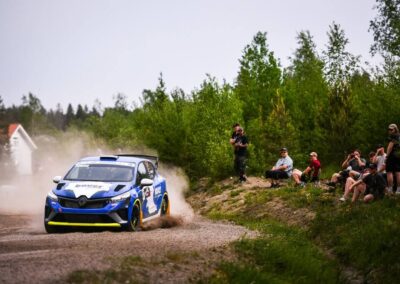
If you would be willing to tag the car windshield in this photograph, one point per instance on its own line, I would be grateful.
(101, 172)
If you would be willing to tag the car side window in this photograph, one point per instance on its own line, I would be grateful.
(150, 170)
(141, 172)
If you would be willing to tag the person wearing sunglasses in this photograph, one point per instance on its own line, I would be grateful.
(282, 169)
(393, 158)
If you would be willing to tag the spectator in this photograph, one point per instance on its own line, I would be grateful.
(352, 167)
(393, 157)
(379, 159)
(374, 186)
(310, 173)
(241, 143)
(282, 169)
(235, 127)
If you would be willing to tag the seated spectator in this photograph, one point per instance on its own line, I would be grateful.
(379, 159)
(311, 173)
(282, 169)
(374, 186)
(352, 167)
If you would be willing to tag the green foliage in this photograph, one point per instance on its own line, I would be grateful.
(319, 103)
(386, 28)
(258, 78)
(282, 254)
(306, 94)
(366, 236)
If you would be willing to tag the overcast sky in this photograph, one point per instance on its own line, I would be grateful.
(79, 50)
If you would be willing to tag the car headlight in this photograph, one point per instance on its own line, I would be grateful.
(121, 197)
(52, 196)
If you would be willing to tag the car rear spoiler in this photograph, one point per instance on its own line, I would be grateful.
(154, 159)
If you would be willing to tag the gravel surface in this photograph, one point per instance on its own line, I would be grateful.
(29, 255)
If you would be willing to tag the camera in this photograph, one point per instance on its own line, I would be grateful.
(352, 156)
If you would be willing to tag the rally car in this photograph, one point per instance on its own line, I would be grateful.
(107, 191)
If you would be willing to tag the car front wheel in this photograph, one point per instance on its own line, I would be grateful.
(134, 222)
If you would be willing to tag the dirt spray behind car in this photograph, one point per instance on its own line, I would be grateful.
(24, 194)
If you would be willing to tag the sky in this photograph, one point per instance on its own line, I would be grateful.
(77, 51)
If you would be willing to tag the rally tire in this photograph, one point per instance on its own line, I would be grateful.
(164, 206)
(134, 222)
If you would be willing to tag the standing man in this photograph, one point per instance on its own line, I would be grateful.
(282, 169)
(240, 143)
(235, 127)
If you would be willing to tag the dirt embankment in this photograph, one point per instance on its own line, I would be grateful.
(232, 199)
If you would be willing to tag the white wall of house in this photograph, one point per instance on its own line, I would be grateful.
(21, 153)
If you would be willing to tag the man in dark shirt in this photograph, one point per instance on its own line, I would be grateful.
(375, 185)
(240, 144)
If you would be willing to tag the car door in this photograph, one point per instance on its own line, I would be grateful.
(149, 206)
(158, 194)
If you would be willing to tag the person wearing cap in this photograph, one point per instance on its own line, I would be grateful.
(282, 169)
(372, 185)
(393, 157)
(234, 135)
(310, 173)
(241, 142)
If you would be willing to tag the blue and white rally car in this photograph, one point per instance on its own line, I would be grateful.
(107, 191)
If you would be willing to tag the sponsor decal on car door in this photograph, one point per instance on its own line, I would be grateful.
(148, 203)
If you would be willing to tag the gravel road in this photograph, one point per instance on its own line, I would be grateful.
(29, 255)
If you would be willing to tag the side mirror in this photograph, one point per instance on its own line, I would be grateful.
(146, 182)
(57, 179)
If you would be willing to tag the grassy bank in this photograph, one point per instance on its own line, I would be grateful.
(361, 237)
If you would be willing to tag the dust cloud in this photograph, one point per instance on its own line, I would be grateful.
(177, 186)
(25, 195)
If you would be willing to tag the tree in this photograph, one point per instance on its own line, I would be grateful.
(120, 102)
(80, 113)
(155, 98)
(2, 112)
(386, 28)
(69, 116)
(258, 79)
(340, 65)
(305, 92)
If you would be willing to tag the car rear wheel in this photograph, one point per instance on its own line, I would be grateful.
(134, 222)
(164, 206)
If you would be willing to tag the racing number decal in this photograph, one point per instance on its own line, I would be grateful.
(148, 195)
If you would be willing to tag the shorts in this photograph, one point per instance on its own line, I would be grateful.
(392, 164)
(276, 174)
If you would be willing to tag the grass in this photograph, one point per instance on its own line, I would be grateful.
(282, 254)
(367, 237)
(364, 236)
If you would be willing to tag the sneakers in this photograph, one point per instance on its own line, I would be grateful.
(342, 199)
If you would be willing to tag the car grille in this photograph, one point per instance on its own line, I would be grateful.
(123, 214)
(83, 218)
(90, 204)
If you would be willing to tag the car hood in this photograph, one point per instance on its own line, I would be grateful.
(91, 189)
